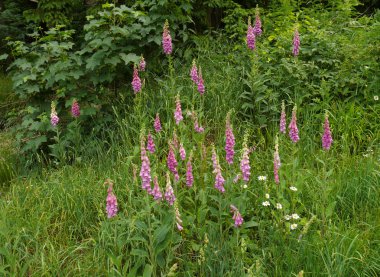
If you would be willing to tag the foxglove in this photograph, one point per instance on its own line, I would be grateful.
(156, 192)
(194, 73)
(111, 206)
(283, 119)
(326, 137)
(189, 173)
(251, 39)
(145, 168)
(75, 110)
(244, 163)
(230, 141)
(200, 84)
(54, 119)
(238, 219)
(219, 180)
(182, 152)
(142, 64)
(172, 162)
(136, 82)
(157, 123)
(178, 111)
(167, 39)
(293, 130)
(150, 144)
(296, 43)
(276, 163)
(257, 29)
(169, 192)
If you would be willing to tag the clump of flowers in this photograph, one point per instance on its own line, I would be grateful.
(283, 118)
(266, 203)
(293, 188)
(178, 110)
(172, 162)
(257, 29)
(75, 109)
(194, 73)
(169, 192)
(293, 130)
(276, 163)
(296, 43)
(230, 141)
(197, 128)
(200, 84)
(251, 39)
(236, 216)
(145, 167)
(156, 192)
(167, 39)
(262, 178)
(54, 119)
(150, 145)
(244, 163)
(142, 63)
(182, 152)
(189, 172)
(157, 123)
(111, 206)
(178, 219)
(219, 180)
(136, 81)
(326, 137)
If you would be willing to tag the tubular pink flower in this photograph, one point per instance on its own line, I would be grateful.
(244, 165)
(197, 128)
(257, 29)
(283, 119)
(194, 73)
(167, 39)
(251, 39)
(150, 145)
(75, 110)
(142, 64)
(54, 119)
(111, 206)
(136, 82)
(230, 141)
(236, 216)
(172, 163)
(178, 111)
(178, 219)
(156, 192)
(276, 163)
(296, 43)
(189, 173)
(200, 84)
(219, 180)
(157, 123)
(293, 130)
(182, 152)
(169, 192)
(145, 168)
(326, 137)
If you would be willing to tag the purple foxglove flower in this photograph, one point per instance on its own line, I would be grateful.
(197, 128)
(178, 111)
(182, 152)
(54, 119)
(136, 82)
(111, 200)
(230, 141)
(150, 145)
(167, 39)
(178, 219)
(251, 39)
(169, 192)
(189, 173)
(219, 180)
(257, 29)
(157, 123)
(244, 165)
(296, 43)
(75, 110)
(293, 130)
(156, 192)
(326, 137)
(172, 163)
(145, 168)
(237, 178)
(283, 119)
(200, 84)
(236, 216)
(194, 73)
(142, 64)
(276, 163)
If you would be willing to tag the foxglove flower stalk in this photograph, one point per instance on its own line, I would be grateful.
(178, 110)
(283, 118)
(172, 162)
(150, 145)
(142, 64)
(276, 163)
(178, 219)
(175, 141)
(219, 180)
(236, 216)
(54, 119)
(200, 84)
(257, 29)
(194, 73)
(75, 109)
(326, 137)
(145, 168)
(244, 163)
(167, 39)
(156, 192)
(136, 82)
(293, 130)
(189, 172)
(296, 43)
(230, 141)
(251, 39)
(169, 192)
(111, 206)
(157, 123)
(182, 152)
(237, 178)
(197, 128)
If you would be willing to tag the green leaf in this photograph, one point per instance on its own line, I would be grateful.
(250, 224)
(3, 57)
(160, 234)
(148, 271)
(139, 252)
(131, 57)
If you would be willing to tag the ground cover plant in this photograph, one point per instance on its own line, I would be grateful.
(261, 161)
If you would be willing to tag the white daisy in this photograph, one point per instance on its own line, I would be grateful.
(293, 226)
(295, 216)
(376, 98)
(278, 206)
(267, 196)
(293, 188)
(245, 186)
(262, 178)
(266, 203)
(287, 217)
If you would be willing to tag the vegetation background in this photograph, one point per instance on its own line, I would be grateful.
(53, 217)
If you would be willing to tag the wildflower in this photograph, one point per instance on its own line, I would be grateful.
(169, 193)
(156, 192)
(230, 141)
(326, 137)
(245, 186)
(54, 119)
(75, 110)
(136, 81)
(266, 203)
(172, 163)
(219, 180)
(157, 123)
(376, 98)
(197, 128)
(293, 226)
(262, 178)
(283, 119)
(200, 84)
(293, 188)
(296, 43)
(236, 216)
(178, 111)
(293, 130)
(287, 217)
(278, 206)
(145, 168)
(250, 36)
(142, 64)
(189, 172)
(267, 196)
(244, 163)
(182, 152)
(257, 29)
(150, 145)
(295, 216)
(111, 200)
(178, 219)
(194, 73)
(276, 163)
(175, 140)
(236, 179)
(167, 39)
